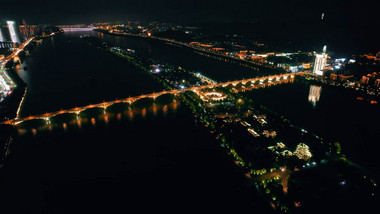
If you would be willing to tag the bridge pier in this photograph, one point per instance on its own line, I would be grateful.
(47, 119)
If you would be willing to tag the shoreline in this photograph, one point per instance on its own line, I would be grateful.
(199, 51)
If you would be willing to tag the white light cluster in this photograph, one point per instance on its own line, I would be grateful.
(1, 36)
(12, 31)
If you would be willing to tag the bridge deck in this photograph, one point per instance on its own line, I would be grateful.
(104, 105)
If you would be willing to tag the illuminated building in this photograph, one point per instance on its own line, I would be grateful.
(12, 31)
(320, 62)
(1, 36)
(314, 94)
(345, 78)
(24, 31)
(377, 83)
(365, 80)
(302, 152)
(306, 65)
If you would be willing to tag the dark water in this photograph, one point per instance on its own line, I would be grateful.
(148, 162)
(337, 116)
(65, 72)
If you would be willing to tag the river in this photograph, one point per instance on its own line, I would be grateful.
(148, 159)
(138, 160)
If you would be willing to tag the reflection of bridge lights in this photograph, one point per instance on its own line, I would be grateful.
(154, 109)
(106, 119)
(165, 109)
(130, 113)
(64, 126)
(143, 112)
(174, 105)
(118, 116)
(79, 123)
(93, 122)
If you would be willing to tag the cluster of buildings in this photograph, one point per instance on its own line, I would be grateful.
(13, 34)
(139, 28)
(271, 59)
(349, 72)
(371, 80)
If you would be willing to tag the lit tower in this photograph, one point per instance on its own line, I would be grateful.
(320, 62)
(1, 36)
(12, 31)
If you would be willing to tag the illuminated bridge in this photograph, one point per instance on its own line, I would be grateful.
(79, 27)
(263, 81)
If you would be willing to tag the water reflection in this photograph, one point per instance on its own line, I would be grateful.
(69, 122)
(314, 94)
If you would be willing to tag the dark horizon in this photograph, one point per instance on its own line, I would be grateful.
(187, 11)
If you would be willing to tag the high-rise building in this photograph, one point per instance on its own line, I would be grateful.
(320, 62)
(12, 31)
(2, 39)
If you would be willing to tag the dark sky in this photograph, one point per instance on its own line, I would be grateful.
(186, 11)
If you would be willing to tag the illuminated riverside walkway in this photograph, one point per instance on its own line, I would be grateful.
(263, 81)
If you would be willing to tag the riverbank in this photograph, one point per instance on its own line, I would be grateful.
(266, 69)
(11, 103)
(367, 91)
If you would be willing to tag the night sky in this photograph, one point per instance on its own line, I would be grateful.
(187, 11)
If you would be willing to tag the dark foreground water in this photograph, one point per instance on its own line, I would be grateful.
(141, 162)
